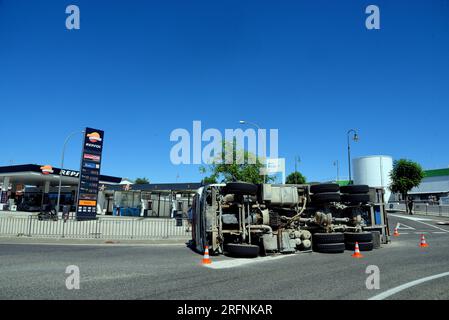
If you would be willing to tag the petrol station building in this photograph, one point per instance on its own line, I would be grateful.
(27, 187)
(35, 188)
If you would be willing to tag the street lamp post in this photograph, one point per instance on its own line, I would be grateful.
(62, 166)
(337, 164)
(297, 160)
(258, 127)
(355, 137)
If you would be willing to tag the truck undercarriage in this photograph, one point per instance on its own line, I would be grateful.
(247, 220)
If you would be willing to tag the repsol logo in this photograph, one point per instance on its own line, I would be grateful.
(70, 173)
(91, 145)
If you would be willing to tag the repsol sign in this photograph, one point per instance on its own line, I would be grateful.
(70, 173)
(91, 145)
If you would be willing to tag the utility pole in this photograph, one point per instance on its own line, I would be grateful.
(258, 128)
(297, 161)
(337, 164)
(355, 138)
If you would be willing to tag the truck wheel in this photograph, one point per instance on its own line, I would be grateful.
(240, 188)
(242, 250)
(321, 198)
(355, 198)
(363, 246)
(358, 237)
(324, 187)
(321, 238)
(329, 247)
(359, 188)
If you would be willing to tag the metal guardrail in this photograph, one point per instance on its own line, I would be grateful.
(422, 208)
(101, 228)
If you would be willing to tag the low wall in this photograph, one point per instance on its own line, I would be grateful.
(101, 228)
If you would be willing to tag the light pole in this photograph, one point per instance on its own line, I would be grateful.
(258, 127)
(62, 166)
(337, 164)
(355, 137)
(297, 161)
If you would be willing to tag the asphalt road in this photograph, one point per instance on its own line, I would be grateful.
(174, 272)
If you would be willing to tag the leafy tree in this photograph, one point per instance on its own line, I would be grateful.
(142, 181)
(295, 178)
(247, 169)
(405, 176)
(209, 180)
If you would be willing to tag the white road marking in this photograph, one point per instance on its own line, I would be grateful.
(407, 285)
(410, 218)
(238, 262)
(445, 231)
(399, 226)
(439, 232)
(420, 220)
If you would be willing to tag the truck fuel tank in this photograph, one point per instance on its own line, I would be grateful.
(280, 195)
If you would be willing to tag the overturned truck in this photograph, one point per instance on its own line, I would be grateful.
(247, 220)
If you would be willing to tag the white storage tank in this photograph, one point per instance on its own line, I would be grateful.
(373, 171)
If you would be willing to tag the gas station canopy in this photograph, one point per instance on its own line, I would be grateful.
(34, 175)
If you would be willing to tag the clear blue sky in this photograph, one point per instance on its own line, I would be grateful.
(139, 69)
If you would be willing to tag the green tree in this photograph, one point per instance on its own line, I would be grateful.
(295, 178)
(247, 169)
(209, 180)
(405, 176)
(142, 181)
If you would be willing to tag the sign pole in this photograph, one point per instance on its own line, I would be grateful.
(89, 179)
(62, 167)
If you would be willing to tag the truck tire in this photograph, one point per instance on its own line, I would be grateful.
(324, 187)
(358, 237)
(329, 247)
(358, 188)
(355, 198)
(238, 250)
(322, 238)
(240, 188)
(363, 246)
(327, 197)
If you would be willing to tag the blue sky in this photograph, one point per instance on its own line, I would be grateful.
(139, 69)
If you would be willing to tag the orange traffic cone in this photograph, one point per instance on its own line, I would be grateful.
(396, 233)
(357, 253)
(206, 259)
(423, 243)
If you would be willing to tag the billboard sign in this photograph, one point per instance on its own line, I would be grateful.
(276, 165)
(89, 174)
